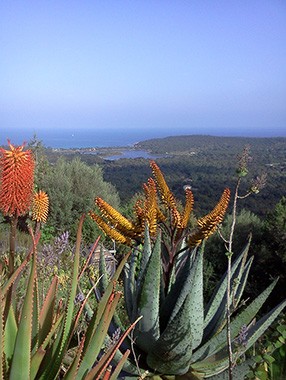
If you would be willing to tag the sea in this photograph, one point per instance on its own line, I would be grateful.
(85, 138)
(82, 138)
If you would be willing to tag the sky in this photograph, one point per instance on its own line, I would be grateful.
(203, 67)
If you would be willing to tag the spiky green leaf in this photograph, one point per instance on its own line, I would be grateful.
(172, 352)
(216, 308)
(147, 330)
(218, 342)
(20, 365)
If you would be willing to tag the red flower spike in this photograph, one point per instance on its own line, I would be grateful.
(16, 180)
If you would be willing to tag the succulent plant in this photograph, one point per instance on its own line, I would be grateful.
(37, 338)
(180, 334)
(36, 341)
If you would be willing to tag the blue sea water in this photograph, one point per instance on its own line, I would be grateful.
(82, 138)
(120, 137)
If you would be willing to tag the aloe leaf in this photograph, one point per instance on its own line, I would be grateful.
(147, 330)
(119, 367)
(42, 352)
(70, 307)
(172, 352)
(103, 302)
(73, 369)
(217, 342)
(258, 329)
(129, 284)
(145, 257)
(36, 362)
(20, 365)
(128, 366)
(193, 292)
(215, 310)
(176, 296)
(212, 366)
(96, 341)
(239, 372)
(238, 291)
(11, 330)
(102, 365)
(238, 282)
(196, 302)
(47, 311)
(180, 289)
(16, 273)
(63, 339)
(35, 319)
(209, 368)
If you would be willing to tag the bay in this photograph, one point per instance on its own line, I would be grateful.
(133, 154)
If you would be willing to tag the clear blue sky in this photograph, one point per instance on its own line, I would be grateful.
(200, 66)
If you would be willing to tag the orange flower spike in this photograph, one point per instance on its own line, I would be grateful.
(40, 207)
(16, 180)
(166, 195)
(188, 208)
(113, 215)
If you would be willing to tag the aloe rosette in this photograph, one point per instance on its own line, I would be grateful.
(178, 334)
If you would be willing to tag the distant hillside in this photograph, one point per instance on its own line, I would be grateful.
(208, 164)
(199, 143)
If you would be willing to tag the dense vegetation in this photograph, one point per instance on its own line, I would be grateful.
(207, 164)
(72, 180)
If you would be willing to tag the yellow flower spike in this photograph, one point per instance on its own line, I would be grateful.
(40, 207)
(150, 209)
(111, 232)
(117, 219)
(188, 208)
(176, 217)
(217, 214)
(208, 224)
(166, 195)
(16, 180)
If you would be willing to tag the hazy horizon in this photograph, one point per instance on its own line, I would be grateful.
(82, 138)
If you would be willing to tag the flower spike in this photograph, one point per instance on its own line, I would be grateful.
(208, 224)
(16, 180)
(40, 207)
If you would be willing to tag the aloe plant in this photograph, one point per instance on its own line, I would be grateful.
(36, 342)
(180, 334)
